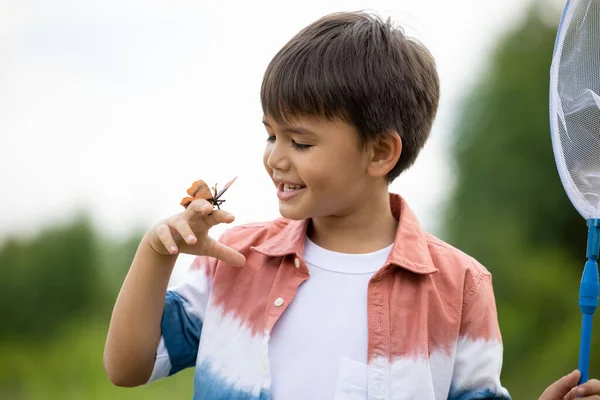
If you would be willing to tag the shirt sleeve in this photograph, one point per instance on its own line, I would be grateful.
(479, 349)
(181, 324)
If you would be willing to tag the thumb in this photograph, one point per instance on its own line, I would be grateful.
(561, 387)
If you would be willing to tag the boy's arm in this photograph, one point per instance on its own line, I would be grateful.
(478, 360)
(134, 331)
(182, 320)
(135, 327)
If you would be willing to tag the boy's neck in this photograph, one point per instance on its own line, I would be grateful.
(370, 228)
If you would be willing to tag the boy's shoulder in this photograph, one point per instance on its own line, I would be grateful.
(444, 254)
(456, 270)
(421, 252)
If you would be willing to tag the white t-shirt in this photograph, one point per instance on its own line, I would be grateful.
(318, 348)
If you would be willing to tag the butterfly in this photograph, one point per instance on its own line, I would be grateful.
(200, 190)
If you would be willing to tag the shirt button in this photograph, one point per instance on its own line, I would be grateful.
(278, 301)
(297, 262)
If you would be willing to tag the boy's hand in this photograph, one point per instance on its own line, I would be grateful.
(187, 232)
(566, 389)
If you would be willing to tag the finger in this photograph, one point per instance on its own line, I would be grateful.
(216, 217)
(226, 254)
(199, 206)
(166, 238)
(572, 394)
(221, 217)
(591, 387)
(561, 387)
(182, 226)
(592, 397)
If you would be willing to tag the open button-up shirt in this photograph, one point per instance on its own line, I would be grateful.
(432, 323)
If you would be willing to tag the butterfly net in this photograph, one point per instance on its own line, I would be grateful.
(575, 104)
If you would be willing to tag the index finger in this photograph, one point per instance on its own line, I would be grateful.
(199, 206)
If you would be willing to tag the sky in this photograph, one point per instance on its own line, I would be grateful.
(115, 107)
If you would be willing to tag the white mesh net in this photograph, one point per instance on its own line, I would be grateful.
(575, 104)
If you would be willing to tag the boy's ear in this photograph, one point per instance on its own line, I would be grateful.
(385, 153)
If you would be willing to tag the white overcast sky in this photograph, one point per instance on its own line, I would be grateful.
(116, 106)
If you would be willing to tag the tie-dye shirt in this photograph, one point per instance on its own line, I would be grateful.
(432, 322)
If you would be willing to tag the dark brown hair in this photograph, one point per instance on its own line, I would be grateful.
(361, 69)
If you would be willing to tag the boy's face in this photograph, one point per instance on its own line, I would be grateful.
(318, 167)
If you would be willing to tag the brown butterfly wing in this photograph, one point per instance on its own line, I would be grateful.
(227, 185)
(198, 190)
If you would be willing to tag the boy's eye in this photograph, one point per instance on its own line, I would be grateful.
(300, 146)
(295, 145)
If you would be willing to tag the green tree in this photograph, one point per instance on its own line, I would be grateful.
(56, 292)
(47, 279)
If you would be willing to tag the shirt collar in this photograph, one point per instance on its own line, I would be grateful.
(410, 250)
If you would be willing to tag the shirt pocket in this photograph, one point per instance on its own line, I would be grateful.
(352, 381)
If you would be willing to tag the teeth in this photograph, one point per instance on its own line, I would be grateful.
(289, 188)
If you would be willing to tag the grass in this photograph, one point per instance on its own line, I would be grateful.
(70, 367)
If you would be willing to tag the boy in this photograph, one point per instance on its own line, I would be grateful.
(345, 297)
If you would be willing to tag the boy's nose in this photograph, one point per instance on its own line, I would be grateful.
(277, 158)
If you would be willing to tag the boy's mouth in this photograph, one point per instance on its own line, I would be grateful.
(288, 188)
(287, 191)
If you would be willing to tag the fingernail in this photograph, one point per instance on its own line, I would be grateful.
(580, 391)
(191, 238)
(173, 249)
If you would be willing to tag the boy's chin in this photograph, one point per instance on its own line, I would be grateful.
(292, 213)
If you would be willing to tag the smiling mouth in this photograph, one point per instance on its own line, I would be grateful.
(289, 188)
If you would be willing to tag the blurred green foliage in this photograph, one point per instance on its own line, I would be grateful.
(509, 210)
(69, 367)
(47, 279)
(57, 290)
